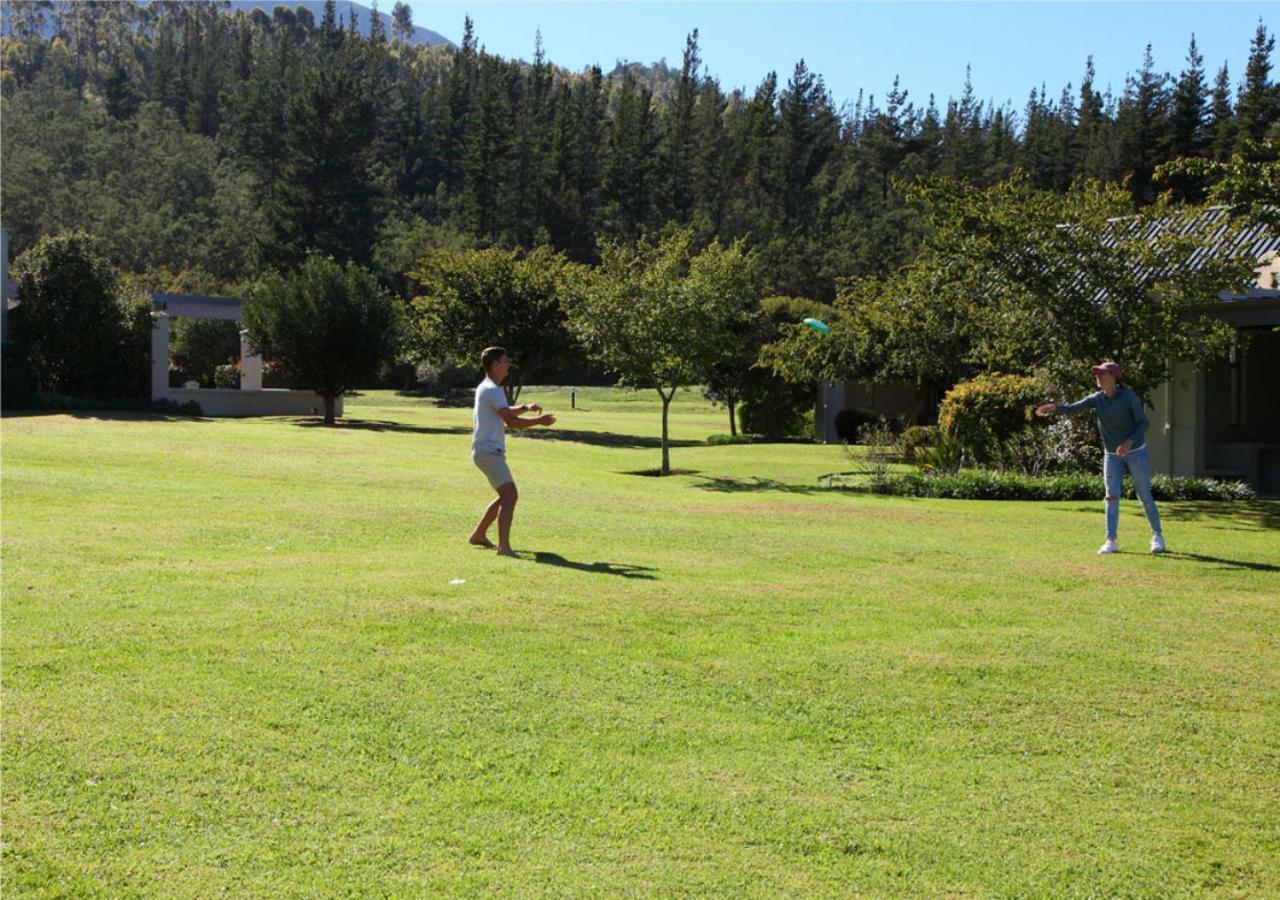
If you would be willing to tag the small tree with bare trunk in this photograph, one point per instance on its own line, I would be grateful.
(661, 316)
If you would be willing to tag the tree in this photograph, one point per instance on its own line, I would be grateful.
(1060, 280)
(470, 300)
(402, 21)
(198, 346)
(75, 320)
(1143, 127)
(1019, 280)
(659, 316)
(1248, 187)
(1222, 120)
(328, 327)
(326, 192)
(1259, 105)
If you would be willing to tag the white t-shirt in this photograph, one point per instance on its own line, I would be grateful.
(489, 432)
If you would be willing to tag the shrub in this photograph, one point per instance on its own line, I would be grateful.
(199, 346)
(773, 407)
(16, 380)
(988, 485)
(49, 400)
(1071, 444)
(881, 449)
(441, 377)
(850, 422)
(227, 376)
(79, 326)
(915, 439)
(720, 439)
(990, 415)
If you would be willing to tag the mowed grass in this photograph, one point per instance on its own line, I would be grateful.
(235, 661)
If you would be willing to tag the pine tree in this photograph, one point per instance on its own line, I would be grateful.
(1143, 127)
(629, 181)
(679, 150)
(1190, 107)
(1258, 106)
(807, 137)
(1222, 120)
(1091, 150)
(326, 193)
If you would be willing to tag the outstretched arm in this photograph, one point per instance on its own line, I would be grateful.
(1067, 409)
(512, 417)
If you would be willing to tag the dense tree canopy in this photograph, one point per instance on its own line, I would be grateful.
(227, 144)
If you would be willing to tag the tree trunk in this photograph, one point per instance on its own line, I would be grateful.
(733, 420)
(329, 403)
(666, 456)
(917, 403)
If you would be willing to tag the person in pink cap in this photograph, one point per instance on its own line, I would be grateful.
(1123, 425)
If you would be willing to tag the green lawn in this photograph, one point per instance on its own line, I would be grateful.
(235, 661)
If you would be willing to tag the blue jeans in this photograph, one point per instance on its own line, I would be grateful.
(1140, 471)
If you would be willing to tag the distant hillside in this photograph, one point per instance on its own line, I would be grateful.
(421, 35)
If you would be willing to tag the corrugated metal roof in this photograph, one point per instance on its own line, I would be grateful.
(1230, 236)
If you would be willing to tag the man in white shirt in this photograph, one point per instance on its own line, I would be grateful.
(491, 419)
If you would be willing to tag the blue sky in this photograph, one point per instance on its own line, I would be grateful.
(1012, 46)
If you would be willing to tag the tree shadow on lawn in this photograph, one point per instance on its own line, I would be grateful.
(106, 415)
(602, 439)
(1235, 515)
(377, 425)
(452, 399)
(726, 485)
(599, 568)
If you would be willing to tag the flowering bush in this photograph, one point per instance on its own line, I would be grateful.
(989, 415)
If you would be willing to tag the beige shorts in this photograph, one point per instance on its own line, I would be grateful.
(493, 464)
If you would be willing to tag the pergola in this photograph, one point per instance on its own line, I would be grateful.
(251, 398)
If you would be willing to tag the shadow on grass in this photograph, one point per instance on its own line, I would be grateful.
(602, 439)
(1236, 515)
(600, 568)
(1220, 562)
(1244, 516)
(726, 485)
(377, 425)
(449, 399)
(106, 415)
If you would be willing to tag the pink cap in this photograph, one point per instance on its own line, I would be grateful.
(1110, 367)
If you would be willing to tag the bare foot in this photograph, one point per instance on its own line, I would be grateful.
(507, 551)
(482, 541)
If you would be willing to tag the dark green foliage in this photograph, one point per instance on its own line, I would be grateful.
(481, 298)
(328, 327)
(48, 400)
(982, 485)
(232, 144)
(775, 408)
(17, 381)
(82, 336)
(197, 347)
(850, 422)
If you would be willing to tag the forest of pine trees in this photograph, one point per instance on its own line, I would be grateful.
(207, 147)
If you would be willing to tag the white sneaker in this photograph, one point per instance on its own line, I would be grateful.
(1157, 543)
(1109, 546)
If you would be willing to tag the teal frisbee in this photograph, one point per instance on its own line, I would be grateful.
(818, 325)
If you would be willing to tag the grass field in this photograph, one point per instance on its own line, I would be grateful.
(235, 661)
